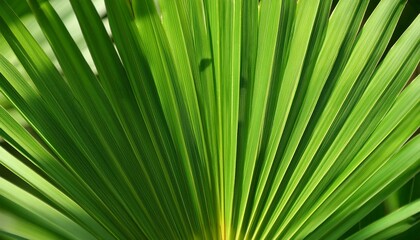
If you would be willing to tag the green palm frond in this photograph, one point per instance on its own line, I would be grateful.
(207, 119)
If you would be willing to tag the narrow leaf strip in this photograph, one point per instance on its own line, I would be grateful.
(65, 205)
(41, 213)
(403, 217)
(389, 75)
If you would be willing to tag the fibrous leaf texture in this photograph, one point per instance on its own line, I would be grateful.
(208, 119)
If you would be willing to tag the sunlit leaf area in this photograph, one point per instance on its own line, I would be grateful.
(209, 119)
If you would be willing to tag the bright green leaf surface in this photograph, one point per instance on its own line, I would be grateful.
(207, 119)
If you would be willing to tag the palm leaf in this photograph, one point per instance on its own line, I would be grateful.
(207, 119)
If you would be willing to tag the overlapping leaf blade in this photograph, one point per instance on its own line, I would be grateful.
(209, 119)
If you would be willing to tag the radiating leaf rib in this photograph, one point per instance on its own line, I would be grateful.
(360, 57)
(52, 132)
(282, 126)
(121, 95)
(249, 45)
(176, 23)
(19, 138)
(401, 167)
(56, 93)
(249, 48)
(104, 55)
(141, 81)
(229, 90)
(205, 82)
(389, 75)
(306, 14)
(127, 170)
(212, 13)
(376, 229)
(65, 205)
(282, 51)
(82, 81)
(395, 128)
(126, 36)
(343, 17)
(41, 213)
(210, 118)
(17, 228)
(265, 64)
(174, 93)
(206, 94)
(404, 108)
